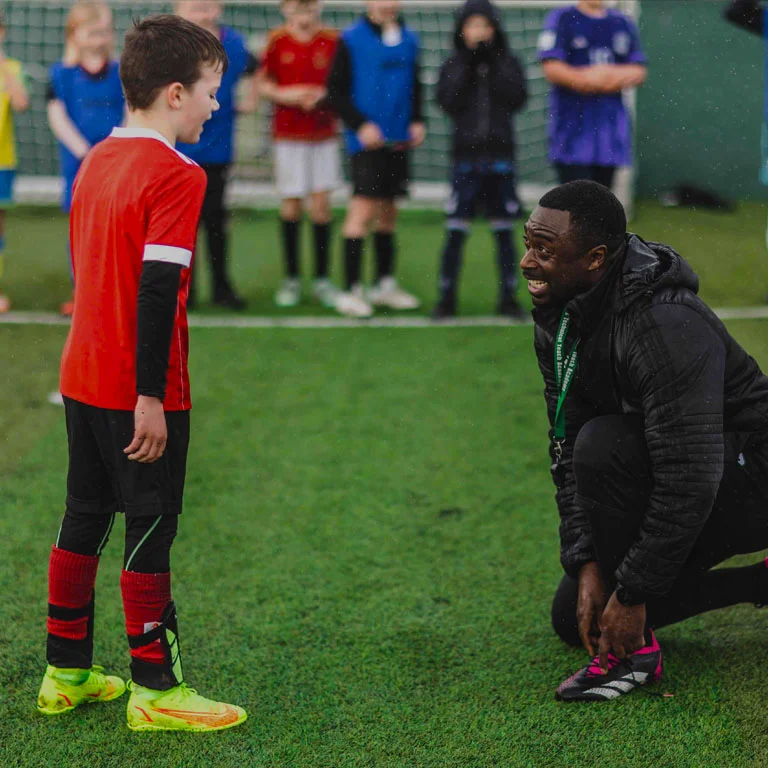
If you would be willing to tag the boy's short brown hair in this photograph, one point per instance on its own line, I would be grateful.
(165, 49)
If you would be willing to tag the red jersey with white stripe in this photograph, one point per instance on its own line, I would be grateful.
(135, 199)
(288, 62)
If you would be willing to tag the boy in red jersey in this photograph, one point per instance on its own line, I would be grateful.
(296, 64)
(133, 226)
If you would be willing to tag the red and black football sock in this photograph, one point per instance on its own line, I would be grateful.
(71, 579)
(150, 620)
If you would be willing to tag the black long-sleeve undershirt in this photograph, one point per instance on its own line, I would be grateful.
(340, 89)
(157, 302)
(747, 14)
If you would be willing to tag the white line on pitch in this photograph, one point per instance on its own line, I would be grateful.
(419, 321)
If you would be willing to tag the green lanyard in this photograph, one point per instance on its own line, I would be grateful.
(565, 368)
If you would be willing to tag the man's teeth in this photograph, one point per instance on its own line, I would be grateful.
(536, 283)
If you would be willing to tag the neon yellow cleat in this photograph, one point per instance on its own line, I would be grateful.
(179, 709)
(58, 696)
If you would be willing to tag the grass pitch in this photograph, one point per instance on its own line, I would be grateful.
(369, 543)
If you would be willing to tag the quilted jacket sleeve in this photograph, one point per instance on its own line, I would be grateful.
(575, 536)
(676, 362)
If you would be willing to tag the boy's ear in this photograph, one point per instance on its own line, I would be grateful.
(174, 95)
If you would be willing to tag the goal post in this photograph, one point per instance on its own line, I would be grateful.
(36, 32)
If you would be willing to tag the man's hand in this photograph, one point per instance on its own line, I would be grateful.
(590, 606)
(150, 432)
(621, 631)
(418, 132)
(370, 136)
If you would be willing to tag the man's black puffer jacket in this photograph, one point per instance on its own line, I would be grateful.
(650, 346)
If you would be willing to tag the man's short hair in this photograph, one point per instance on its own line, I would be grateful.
(597, 216)
(165, 49)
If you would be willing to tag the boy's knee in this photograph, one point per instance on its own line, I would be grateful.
(290, 209)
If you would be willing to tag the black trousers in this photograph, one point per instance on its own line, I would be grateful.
(614, 482)
(602, 174)
(215, 220)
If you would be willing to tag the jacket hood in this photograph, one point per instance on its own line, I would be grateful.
(643, 269)
(653, 267)
(479, 8)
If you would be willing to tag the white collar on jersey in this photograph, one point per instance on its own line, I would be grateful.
(140, 133)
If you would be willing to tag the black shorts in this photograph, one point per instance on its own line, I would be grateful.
(380, 174)
(102, 480)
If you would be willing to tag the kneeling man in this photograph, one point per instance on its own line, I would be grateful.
(659, 439)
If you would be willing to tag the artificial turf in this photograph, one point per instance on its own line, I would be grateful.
(367, 553)
(727, 250)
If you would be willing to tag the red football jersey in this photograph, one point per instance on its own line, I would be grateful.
(290, 62)
(135, 199)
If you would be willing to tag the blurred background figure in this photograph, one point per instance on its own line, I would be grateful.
(590, 54)
(480, 87)
(750, 15)
(85, 98)
(215, 150)
(296, 65)
(374, 85)
(13, 99)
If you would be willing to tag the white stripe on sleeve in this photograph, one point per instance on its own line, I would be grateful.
(169, 253)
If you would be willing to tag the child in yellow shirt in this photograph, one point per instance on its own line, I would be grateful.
(13, 98)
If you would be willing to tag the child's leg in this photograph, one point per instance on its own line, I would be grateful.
(360, 214)
(325, 177)
(460, 211)
(290, 223)
(215, 218)
(150, 614)
(386, 292)
(84, 532)
(320, 213)
(384, 238)
(152, 497)
(503, 207)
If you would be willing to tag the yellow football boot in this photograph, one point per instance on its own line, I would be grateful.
(179, 709)
(58, 696)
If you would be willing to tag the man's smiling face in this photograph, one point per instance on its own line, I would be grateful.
(556, 264)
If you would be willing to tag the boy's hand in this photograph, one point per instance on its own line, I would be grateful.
(370, 136)
(314, 96)
(418, 133)
(150, 433)
(294, 95)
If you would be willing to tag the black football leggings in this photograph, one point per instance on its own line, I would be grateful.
(148, 539)
(614, 483)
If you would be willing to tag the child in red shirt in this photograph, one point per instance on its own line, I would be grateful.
(296, 64)
(133, 225)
